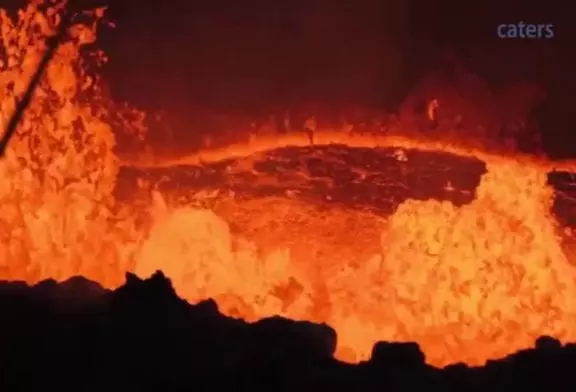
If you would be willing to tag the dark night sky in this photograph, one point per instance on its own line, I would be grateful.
(259, 53)
(227, 52)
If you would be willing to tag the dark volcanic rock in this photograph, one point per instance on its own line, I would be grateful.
(565, 201)
(401, 355)
(142, 337)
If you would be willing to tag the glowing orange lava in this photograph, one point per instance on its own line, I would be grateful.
(468, 283)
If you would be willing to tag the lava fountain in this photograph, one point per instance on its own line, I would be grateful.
(468, 281)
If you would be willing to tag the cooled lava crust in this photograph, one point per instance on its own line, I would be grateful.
(369, 179)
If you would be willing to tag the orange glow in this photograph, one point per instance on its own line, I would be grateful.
(468, 283)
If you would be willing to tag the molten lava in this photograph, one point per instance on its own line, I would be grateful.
(468, 281)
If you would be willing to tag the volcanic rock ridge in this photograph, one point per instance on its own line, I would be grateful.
(77, 336)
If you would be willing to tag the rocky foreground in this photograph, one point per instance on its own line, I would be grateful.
(76, 336)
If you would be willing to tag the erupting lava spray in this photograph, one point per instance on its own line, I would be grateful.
(467, 282)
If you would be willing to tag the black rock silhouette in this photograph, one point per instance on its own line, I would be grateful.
(77, 336)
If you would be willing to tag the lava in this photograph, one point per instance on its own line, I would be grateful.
(468, 281)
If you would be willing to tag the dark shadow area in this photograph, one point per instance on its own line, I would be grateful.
(76, 336)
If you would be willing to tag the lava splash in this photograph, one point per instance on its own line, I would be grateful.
(458, 253)
(384, 238)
